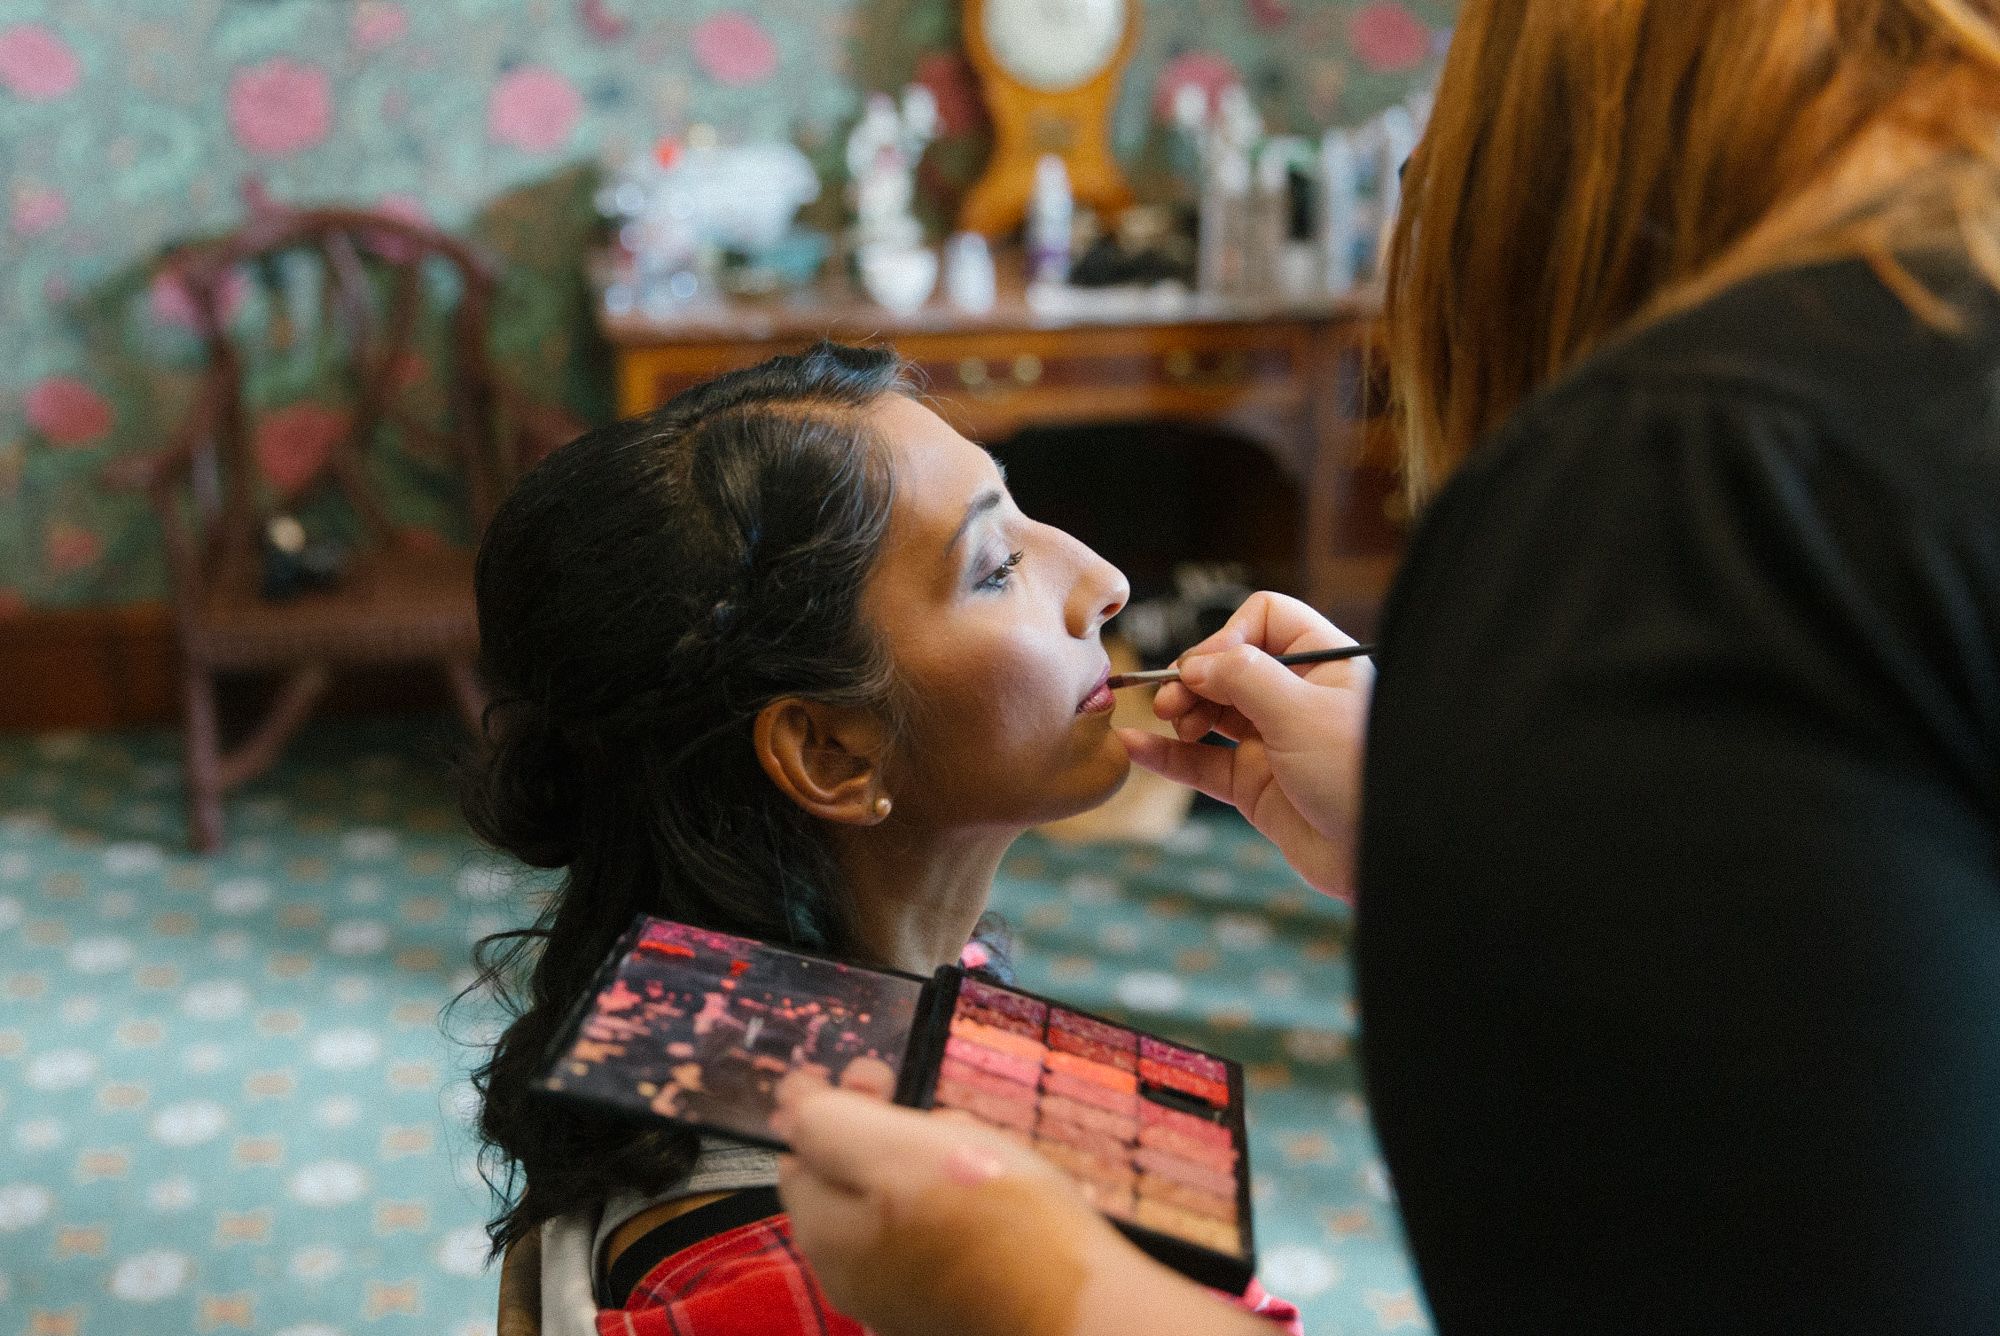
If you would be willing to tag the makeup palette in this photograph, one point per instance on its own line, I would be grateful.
(699, 1027)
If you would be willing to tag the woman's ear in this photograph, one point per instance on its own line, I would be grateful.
(825, 758)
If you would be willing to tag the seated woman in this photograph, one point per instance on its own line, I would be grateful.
(782, 659)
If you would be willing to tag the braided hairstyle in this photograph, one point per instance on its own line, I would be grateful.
(643, 593)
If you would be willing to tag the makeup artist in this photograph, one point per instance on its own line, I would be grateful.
(1678, 870)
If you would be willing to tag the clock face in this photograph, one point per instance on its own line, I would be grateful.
(1054, 45)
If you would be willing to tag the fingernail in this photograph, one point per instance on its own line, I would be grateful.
(1194, 671)
(969, 1167)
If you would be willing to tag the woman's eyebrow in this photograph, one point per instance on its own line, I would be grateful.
(982, 503)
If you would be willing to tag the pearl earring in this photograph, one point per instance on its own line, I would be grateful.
(882, 806)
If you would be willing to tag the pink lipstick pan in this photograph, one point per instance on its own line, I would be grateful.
(699, 1027)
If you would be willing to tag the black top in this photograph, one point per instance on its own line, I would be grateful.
(1678, 944)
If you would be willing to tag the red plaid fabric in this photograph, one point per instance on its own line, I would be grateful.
(751, 1281)
(747, 1281)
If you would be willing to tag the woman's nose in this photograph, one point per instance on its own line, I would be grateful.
(1099, 594)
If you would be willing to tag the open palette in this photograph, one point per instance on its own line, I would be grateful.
(699, 1027)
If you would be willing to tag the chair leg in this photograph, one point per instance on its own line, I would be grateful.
(467, 695)
(203, 747)
(293, 705)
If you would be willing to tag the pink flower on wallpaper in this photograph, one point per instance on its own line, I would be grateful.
(292, 443)
(533, 109)
(733, 48)
(280, 107)
(1388, 38)
(1209, 71)
(37, 209)
(604, 25)
(378, 23)
(172, 304)
(67, 412)
(68, 548)
(949, 76)
(1270, 13)
(35, 64)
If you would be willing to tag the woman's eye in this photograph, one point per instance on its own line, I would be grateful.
(998, 578)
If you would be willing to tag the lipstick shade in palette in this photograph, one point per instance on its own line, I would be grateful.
(699, 1027)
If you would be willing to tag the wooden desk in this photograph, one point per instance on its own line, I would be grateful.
(1284, 375)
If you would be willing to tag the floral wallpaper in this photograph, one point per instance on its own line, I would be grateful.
(128, 124)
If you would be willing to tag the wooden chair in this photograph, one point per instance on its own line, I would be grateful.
(521, 1288)
(348, 291)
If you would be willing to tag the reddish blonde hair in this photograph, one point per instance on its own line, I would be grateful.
(1595, 164)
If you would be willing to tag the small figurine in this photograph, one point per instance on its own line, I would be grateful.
(882, 155)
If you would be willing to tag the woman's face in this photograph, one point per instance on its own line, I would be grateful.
(993, 622)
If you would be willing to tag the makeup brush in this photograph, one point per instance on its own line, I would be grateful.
(1157, 675)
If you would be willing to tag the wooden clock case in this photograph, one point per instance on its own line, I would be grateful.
(1072, 123)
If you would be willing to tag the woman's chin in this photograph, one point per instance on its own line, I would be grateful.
(1097, 780)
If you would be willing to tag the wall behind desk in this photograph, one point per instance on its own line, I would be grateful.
(129, 124)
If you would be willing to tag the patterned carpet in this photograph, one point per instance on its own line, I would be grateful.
(228, 1101)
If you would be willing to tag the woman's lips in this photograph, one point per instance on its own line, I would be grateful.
(1100, 698)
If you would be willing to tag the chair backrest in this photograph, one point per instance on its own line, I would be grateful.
(297, 308)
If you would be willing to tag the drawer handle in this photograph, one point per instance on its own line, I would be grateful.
(972, 373)
(1180, 364)
(1027, 369)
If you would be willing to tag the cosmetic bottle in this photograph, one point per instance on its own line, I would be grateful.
(1225, 222)
(1339, 211)
(1278, 264)
(969, 279)
(1227, 239)
(1051, 212)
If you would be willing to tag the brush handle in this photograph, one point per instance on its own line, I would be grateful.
(1157, 675)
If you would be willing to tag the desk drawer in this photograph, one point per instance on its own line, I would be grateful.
(1188, 366)
(1070, 374)
(991, 385)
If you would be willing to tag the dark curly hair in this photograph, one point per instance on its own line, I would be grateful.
(643, 593)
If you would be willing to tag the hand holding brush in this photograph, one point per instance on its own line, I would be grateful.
(1173, 674)
(1295, 771)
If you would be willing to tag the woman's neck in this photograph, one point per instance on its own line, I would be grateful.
(916, 896)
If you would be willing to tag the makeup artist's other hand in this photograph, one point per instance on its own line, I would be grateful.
(1295, 772)
(929, 1224)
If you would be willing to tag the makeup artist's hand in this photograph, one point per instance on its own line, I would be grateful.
(1295, 772)
(929, 1224)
